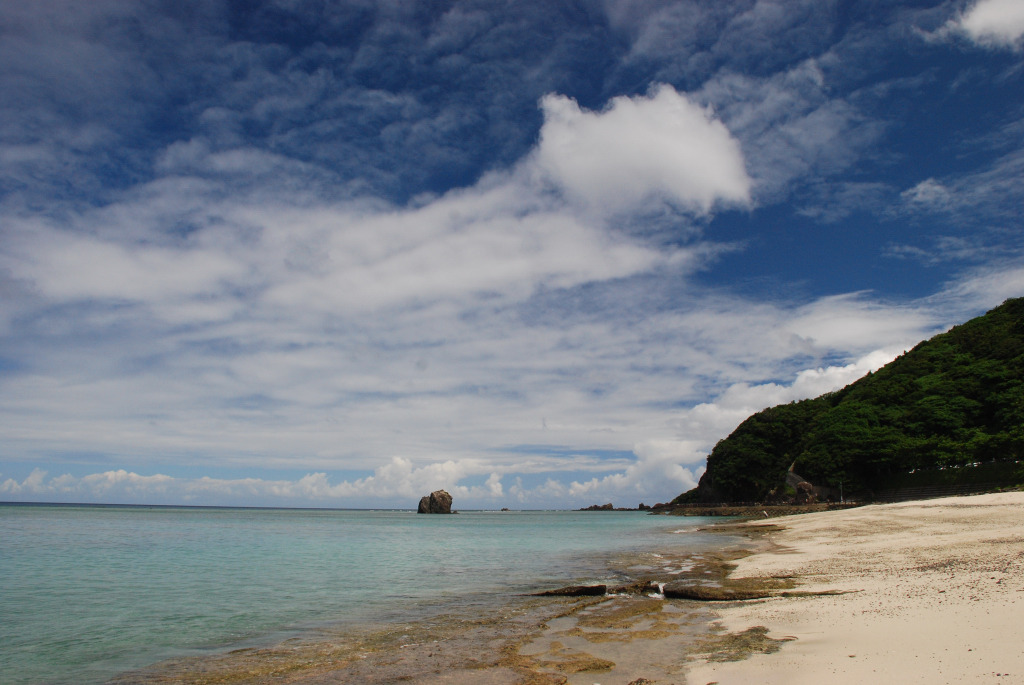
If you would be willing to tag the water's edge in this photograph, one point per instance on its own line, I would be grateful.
(478, 641)
(94, 594)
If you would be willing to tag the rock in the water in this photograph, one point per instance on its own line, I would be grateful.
(438, 502)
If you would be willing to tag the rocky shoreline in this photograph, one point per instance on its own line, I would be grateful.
(749, 511)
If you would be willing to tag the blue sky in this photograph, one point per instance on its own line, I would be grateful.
(540, 254)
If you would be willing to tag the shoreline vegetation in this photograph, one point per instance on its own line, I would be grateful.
(922, 591)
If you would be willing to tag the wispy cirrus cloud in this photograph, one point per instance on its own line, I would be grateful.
(791, 126)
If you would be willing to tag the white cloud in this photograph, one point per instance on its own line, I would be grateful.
(395, 484)
(688, 40)
(490, 240)
(638, 150)
(69, 266)
(986, 196)
(850, 321)
(119, 484)
(422, 386)
(994, 23)
(658, 470)
(984, 287)
(929, 193)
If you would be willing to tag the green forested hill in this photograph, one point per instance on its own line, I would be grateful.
(954, 400)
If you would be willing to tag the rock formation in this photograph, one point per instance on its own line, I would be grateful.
(438, 502)
(805, 493)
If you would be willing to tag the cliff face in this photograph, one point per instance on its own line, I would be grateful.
(954, 400)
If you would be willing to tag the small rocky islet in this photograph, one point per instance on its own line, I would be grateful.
(437, 502)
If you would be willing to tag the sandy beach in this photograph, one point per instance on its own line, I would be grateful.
(933, 593)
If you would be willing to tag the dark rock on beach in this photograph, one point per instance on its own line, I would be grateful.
(574, 591)
(640, 587)
(713, 593)
(437, 502)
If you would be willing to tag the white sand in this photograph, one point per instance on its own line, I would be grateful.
(938, 597)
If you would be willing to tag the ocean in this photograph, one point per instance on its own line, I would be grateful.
(90, 592)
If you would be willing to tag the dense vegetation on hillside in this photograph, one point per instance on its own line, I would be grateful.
(954, 400)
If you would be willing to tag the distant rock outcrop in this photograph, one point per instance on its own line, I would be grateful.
(437, 502)
(612, 507)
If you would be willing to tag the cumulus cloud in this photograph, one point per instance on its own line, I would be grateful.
(994, 23)
(120, 485)
(397, 483)
(637, 150)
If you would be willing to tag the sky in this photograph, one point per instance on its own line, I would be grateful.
(541, 254)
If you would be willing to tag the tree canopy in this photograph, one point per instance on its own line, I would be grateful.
(954, 400)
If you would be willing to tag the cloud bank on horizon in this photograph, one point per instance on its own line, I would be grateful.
(541, 255)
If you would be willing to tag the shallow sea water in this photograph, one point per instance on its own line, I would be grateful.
(89, 592)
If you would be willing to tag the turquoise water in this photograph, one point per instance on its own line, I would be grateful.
(87, 592)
